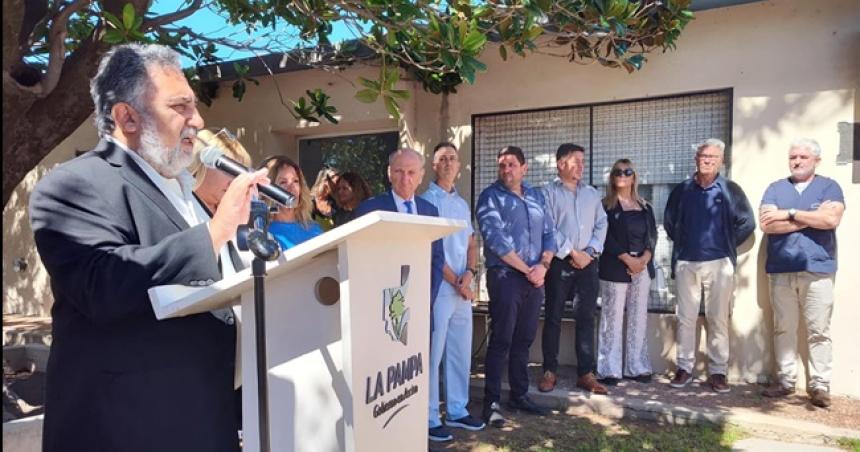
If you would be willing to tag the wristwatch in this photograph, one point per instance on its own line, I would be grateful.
(474, 272)
(591, 252)
(791, 213)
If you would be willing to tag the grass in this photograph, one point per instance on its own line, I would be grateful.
(563, 432)
(849, 443)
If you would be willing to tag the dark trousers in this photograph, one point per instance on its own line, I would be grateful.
(563, 282)
(514, 311)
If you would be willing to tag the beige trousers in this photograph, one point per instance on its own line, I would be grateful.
(809, 294)
(717, 279)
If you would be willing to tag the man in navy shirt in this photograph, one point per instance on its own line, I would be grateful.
(800, 214)
(518, 247)
(707, 217)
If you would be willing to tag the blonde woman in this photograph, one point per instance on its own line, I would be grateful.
(626, 270)
(291, 226)
(209, 186)
(322, 193)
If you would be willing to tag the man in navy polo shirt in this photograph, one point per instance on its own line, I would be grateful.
(800, 214)
(707, 217)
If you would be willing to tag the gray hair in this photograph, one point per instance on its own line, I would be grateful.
(710, 142)
(123, 76)
(807, 143)
(403, 151)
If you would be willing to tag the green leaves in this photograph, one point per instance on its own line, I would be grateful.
(384, 88)
(126, 29)
(314, 108)
(438, 44)
(474, 41)
(240, 86)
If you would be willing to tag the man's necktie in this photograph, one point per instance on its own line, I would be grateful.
(408, 206)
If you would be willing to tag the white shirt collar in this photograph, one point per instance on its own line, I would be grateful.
(399, 202)
(176, 190)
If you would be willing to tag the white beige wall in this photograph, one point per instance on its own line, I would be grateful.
(794, 70)
(793, 66)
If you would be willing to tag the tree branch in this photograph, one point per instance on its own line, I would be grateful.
(57, 42)
(172, 17)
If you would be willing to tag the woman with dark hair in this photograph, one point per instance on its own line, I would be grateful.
(350, 191)
(626, 270)
(291, 226)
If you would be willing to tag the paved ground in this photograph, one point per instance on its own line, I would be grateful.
(792, 420)
(762, 445)
(745, 398)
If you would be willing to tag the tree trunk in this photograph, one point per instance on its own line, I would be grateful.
(33, 126)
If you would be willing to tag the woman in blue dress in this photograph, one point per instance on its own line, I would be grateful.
(291, 226)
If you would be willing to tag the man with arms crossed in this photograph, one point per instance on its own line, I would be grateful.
(518, 247)
(800, 214)
(452, 311)
(108, 226)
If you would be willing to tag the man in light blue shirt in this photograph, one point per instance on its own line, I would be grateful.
(452, 311)
(580, 229)
(518, 248)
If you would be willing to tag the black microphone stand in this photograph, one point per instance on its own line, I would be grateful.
(256, 238)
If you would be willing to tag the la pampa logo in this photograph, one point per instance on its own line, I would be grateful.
(395, 312)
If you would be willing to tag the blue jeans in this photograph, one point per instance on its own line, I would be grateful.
(451, 338)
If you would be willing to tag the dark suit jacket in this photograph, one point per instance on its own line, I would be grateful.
(117, 378)
(385, 201)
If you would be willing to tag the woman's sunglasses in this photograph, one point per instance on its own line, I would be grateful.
(617, 172)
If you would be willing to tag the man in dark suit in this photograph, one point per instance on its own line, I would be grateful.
(405, 172)
(108, 226)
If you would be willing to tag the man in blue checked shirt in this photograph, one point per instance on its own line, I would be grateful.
(518, 248)
(452, 311)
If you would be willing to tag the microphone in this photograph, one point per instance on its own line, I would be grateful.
(213, 157)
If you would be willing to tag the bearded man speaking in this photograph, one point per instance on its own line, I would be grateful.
(109, 225)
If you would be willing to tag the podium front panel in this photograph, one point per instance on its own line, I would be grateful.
(304, 348)
(385, 305)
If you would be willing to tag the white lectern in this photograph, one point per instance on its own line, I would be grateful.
(347, 336)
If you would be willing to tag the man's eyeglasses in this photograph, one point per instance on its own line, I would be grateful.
(618, 172)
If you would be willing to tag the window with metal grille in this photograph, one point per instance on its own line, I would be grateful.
(657, 134)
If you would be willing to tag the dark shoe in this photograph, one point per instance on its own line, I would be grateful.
(718, 383)
(547, 381)
(820, 398)
(778, 391)
(608, 381)
(467, 422)
(527, 405)
(440, 433)
(493, 415)
(590, 384)
(682, 378)
(644, 378)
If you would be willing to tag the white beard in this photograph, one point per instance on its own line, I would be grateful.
(166, 162)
